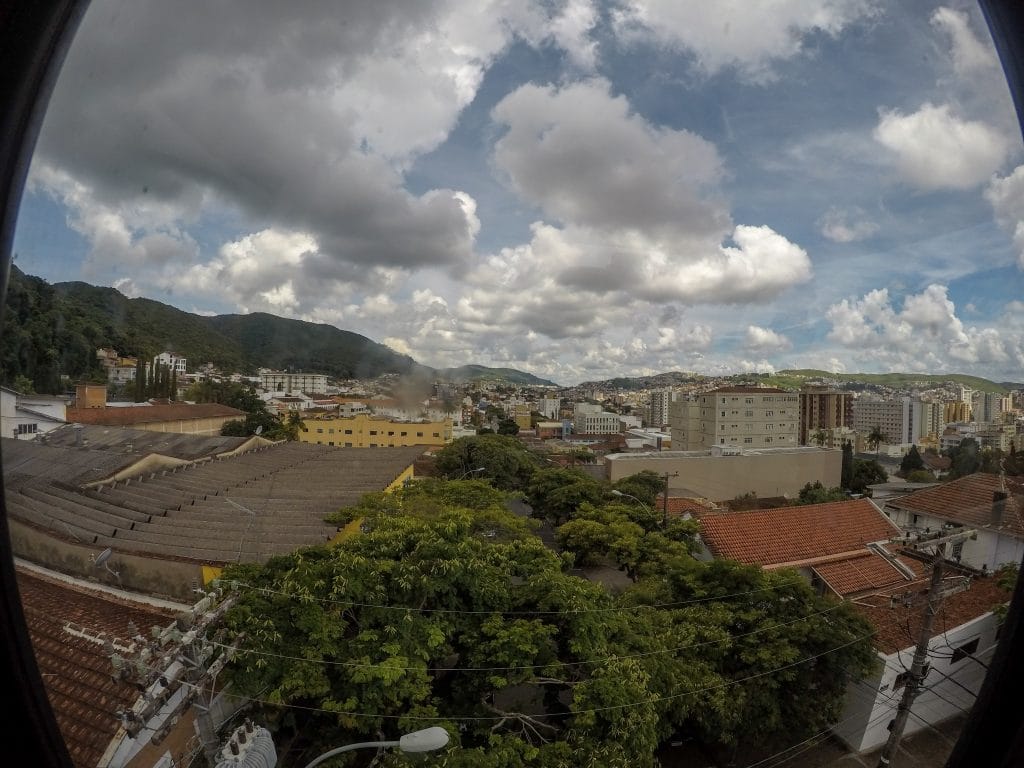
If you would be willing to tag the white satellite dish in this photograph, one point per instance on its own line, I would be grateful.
(259, 430)
(103, 556)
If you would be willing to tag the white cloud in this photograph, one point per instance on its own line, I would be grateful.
(748, 36)
(765, 339)
(969, 53)
(1006, 195)
(924, 334)
(571, 30)
(846, 226)
(934, 149)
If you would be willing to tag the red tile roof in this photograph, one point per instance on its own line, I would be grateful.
(76, 672)
(147, 414)
(967, 500)
(865, 571)
(897, 627)
(789, 535)
(681, 505)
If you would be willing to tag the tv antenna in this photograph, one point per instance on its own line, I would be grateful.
(102, 558)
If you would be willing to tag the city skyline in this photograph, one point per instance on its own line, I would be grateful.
(579, 190)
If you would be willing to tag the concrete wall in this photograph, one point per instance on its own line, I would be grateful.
(871, 703)
(207, 426)
(720, 478)
(152, 576)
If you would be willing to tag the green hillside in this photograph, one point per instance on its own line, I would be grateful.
(792, 379)
(483, 373)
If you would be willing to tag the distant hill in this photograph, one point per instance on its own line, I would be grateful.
(668, 379)
(799, 377)
(53, 329)
(483, 373)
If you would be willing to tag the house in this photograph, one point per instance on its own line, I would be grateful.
(25, 416)
(844, 550)
(992, 506)
(113, 710)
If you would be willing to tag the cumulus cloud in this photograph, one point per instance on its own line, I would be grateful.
(1006, 195)
(924, 334)
(934, 149)
(846, 226)
(765, 339)
(969, 53)
(747, 36)
(634, 206)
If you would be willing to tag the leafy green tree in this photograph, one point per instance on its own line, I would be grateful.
(866, 472)
(644, 485)
(819, 494)
(875, 438)
(743, 501)
(920, 476)
(912, 461)
(820, 437)
(556, 493)
(508, 427)
(965, 459)
(23, 384)
(505, 460)
(235, 428)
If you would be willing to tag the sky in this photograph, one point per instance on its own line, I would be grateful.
(580, 189)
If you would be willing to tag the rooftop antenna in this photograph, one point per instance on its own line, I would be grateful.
(102, 558)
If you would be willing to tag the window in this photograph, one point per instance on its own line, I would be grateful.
(748, 439)
(348, 431)
(373, 431)
(769, 413)
(437, 434)
(723, 413)
(319, 430)
(749, 401)
(767, 439)
(391, 434)
(748, 413)
(419, 434)
(965, 650)
(405, 434)
(27, 429)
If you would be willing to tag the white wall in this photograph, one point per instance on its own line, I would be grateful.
(990, 550)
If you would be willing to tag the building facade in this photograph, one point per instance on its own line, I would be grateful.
(365, 431)
(741, 417)
(283, 381)
(600, 423)
(824, 409)
(171, 361)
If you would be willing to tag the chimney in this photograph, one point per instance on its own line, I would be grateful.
(998, 507)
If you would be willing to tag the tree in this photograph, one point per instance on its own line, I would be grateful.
(820, 436)
(743, 501)
(556, 493)
(23, 384)
(965, 459)
(866, 472)
(644, 485)
(920, 476)
(847, 472)
(505, 460)
(819, 494)
(911, 461)
(508, 427)
(875, 439)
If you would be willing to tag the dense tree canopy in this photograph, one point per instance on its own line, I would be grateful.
(447, 610)
(503, 459)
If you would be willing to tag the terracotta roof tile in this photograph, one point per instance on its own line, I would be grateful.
(966, 500)
(76, 672)
(865, 571)
(794, 534)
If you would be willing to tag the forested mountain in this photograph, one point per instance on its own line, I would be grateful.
(483, 373)
(49, 330)
(54, 329)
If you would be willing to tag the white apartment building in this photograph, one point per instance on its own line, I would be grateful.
(600, 423)
(172, 361)
(658, 408)
(549, 407)
(582, 409)
(903, 421)
(282, 381)
(743, 417)
(988, 407)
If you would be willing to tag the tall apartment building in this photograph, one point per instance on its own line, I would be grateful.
(823, 408)
(282, 381)
(903, 421)
(955, 411)
(987, 407)
(549, 407)
(657, 414)
(742, 417)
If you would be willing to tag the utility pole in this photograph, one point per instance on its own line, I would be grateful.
(664, 497)
(934, 599)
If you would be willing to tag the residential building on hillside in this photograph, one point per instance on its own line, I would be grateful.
(549, 407)
(365, 431)
(288, 382)
(824, 409)
(171, 361)
(843, 549)
(657, 413)
(723, 473)
(25, 416)
(903, 421)
(744, 417)
(988, 407)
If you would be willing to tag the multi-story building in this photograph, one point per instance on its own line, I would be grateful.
(171, 361)
(988, 407)
(581, 409)
(283, 381)
(825, 409)
(548, 407)
(956, 410)
(744, 417)
(658, 408)
(903, 421)
(601, 423)
(365, 431)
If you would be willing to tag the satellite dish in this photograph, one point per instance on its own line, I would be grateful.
(259, 430)
(103, 556)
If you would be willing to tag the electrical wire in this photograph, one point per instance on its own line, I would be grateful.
(602, 660)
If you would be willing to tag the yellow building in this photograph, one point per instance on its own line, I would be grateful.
(365, 431)
(956, 411)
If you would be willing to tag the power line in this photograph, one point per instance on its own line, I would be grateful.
(616, 657)
(458, 611)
